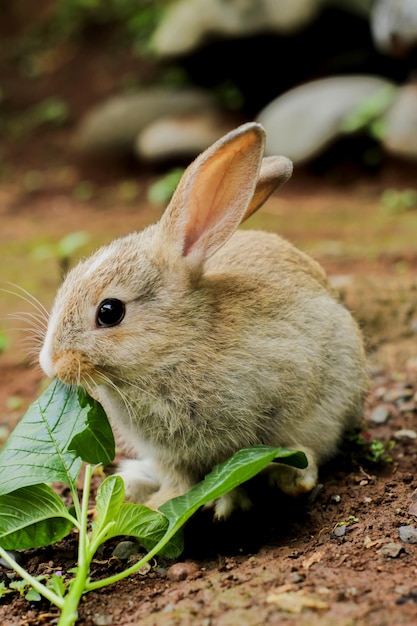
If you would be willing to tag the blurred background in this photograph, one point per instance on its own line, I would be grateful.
(104, 102)
(146, 84)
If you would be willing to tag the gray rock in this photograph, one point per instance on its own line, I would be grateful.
(187, 23)
(400, 136)
(380, 415)
(304, 120)
(394, 26)
(391, 550)
(405, 434)
(125, 549)
(181, 136)
(113, 125)
(408, 534)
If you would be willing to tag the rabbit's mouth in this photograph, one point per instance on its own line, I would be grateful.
(74, 368)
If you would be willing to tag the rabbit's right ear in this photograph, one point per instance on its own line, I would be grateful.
(214, 195)
(275, 171)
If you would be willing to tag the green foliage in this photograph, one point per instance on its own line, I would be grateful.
(161, 191)
(4, 342)
(367, 117)
(397, 201)
(63, 428)
(50, 112)
(371, 449)
(70, 20)
(63, 250)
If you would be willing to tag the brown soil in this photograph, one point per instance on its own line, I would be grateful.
(333, 558)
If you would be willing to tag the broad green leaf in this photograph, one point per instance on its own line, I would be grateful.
(109, 499)
(125, 518)
(37, 450)
(148, 526)
(243, 465)
(95, 444)
(32, 517)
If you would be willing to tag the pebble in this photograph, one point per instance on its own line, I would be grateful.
(14, 555)
(380, 415)
(181, 571)
(405, 434)
(391, 550)
(125, 549)
(339, 531)
(396, 394)
(408, 534)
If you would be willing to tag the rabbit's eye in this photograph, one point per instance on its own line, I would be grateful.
(110, 312)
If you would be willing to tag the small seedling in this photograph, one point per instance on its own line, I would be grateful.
(72, 428)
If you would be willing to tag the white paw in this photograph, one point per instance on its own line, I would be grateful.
(291, 480)
(140, 479)
(237, 499)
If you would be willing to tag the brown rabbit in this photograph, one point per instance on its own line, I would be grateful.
(199, 340)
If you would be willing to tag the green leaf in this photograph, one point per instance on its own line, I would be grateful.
(95, 444)
(126, 518)
(243, 465)
(33, 596)
(37, 449)
(32, 517)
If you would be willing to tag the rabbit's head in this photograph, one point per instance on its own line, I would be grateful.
(118, 310)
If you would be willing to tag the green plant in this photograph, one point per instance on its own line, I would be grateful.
(370, 449)
(73, 428)
(4, 342)
(161, 191)
(368, 115)
(396, 201)
(63, 250)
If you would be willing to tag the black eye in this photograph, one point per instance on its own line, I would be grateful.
(110, 312)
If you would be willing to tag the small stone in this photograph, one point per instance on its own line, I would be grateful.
(102, 620)
(380, 415)
(405, 434)
(14, 555)
(336, 498)
(398, 393)
(391, 550)
(408, 534)
(339, 531)
(125, 549)
(181, 571)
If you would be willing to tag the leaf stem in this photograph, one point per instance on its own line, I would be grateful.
(38, 586)
(78, 586)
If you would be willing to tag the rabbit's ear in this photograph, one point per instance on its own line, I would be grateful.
(275, 171)
(214, 194)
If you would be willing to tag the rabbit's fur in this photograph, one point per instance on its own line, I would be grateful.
(229, 339)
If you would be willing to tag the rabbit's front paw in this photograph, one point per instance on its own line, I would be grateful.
(223, 507)
(139, 479)
(291, 480)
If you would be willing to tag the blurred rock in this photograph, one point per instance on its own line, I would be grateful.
(394, 26)
(113, 125)
(188, 23)
(400, 137)
(182, 136)
(304, 120)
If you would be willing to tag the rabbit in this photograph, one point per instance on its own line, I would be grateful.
(200, 339)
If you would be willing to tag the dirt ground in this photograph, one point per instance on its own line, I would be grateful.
(347, 554)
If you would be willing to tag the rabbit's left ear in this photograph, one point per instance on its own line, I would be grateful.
(214, 194)
(275, 171)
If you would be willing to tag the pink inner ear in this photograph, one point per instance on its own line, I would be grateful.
(217, 196)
